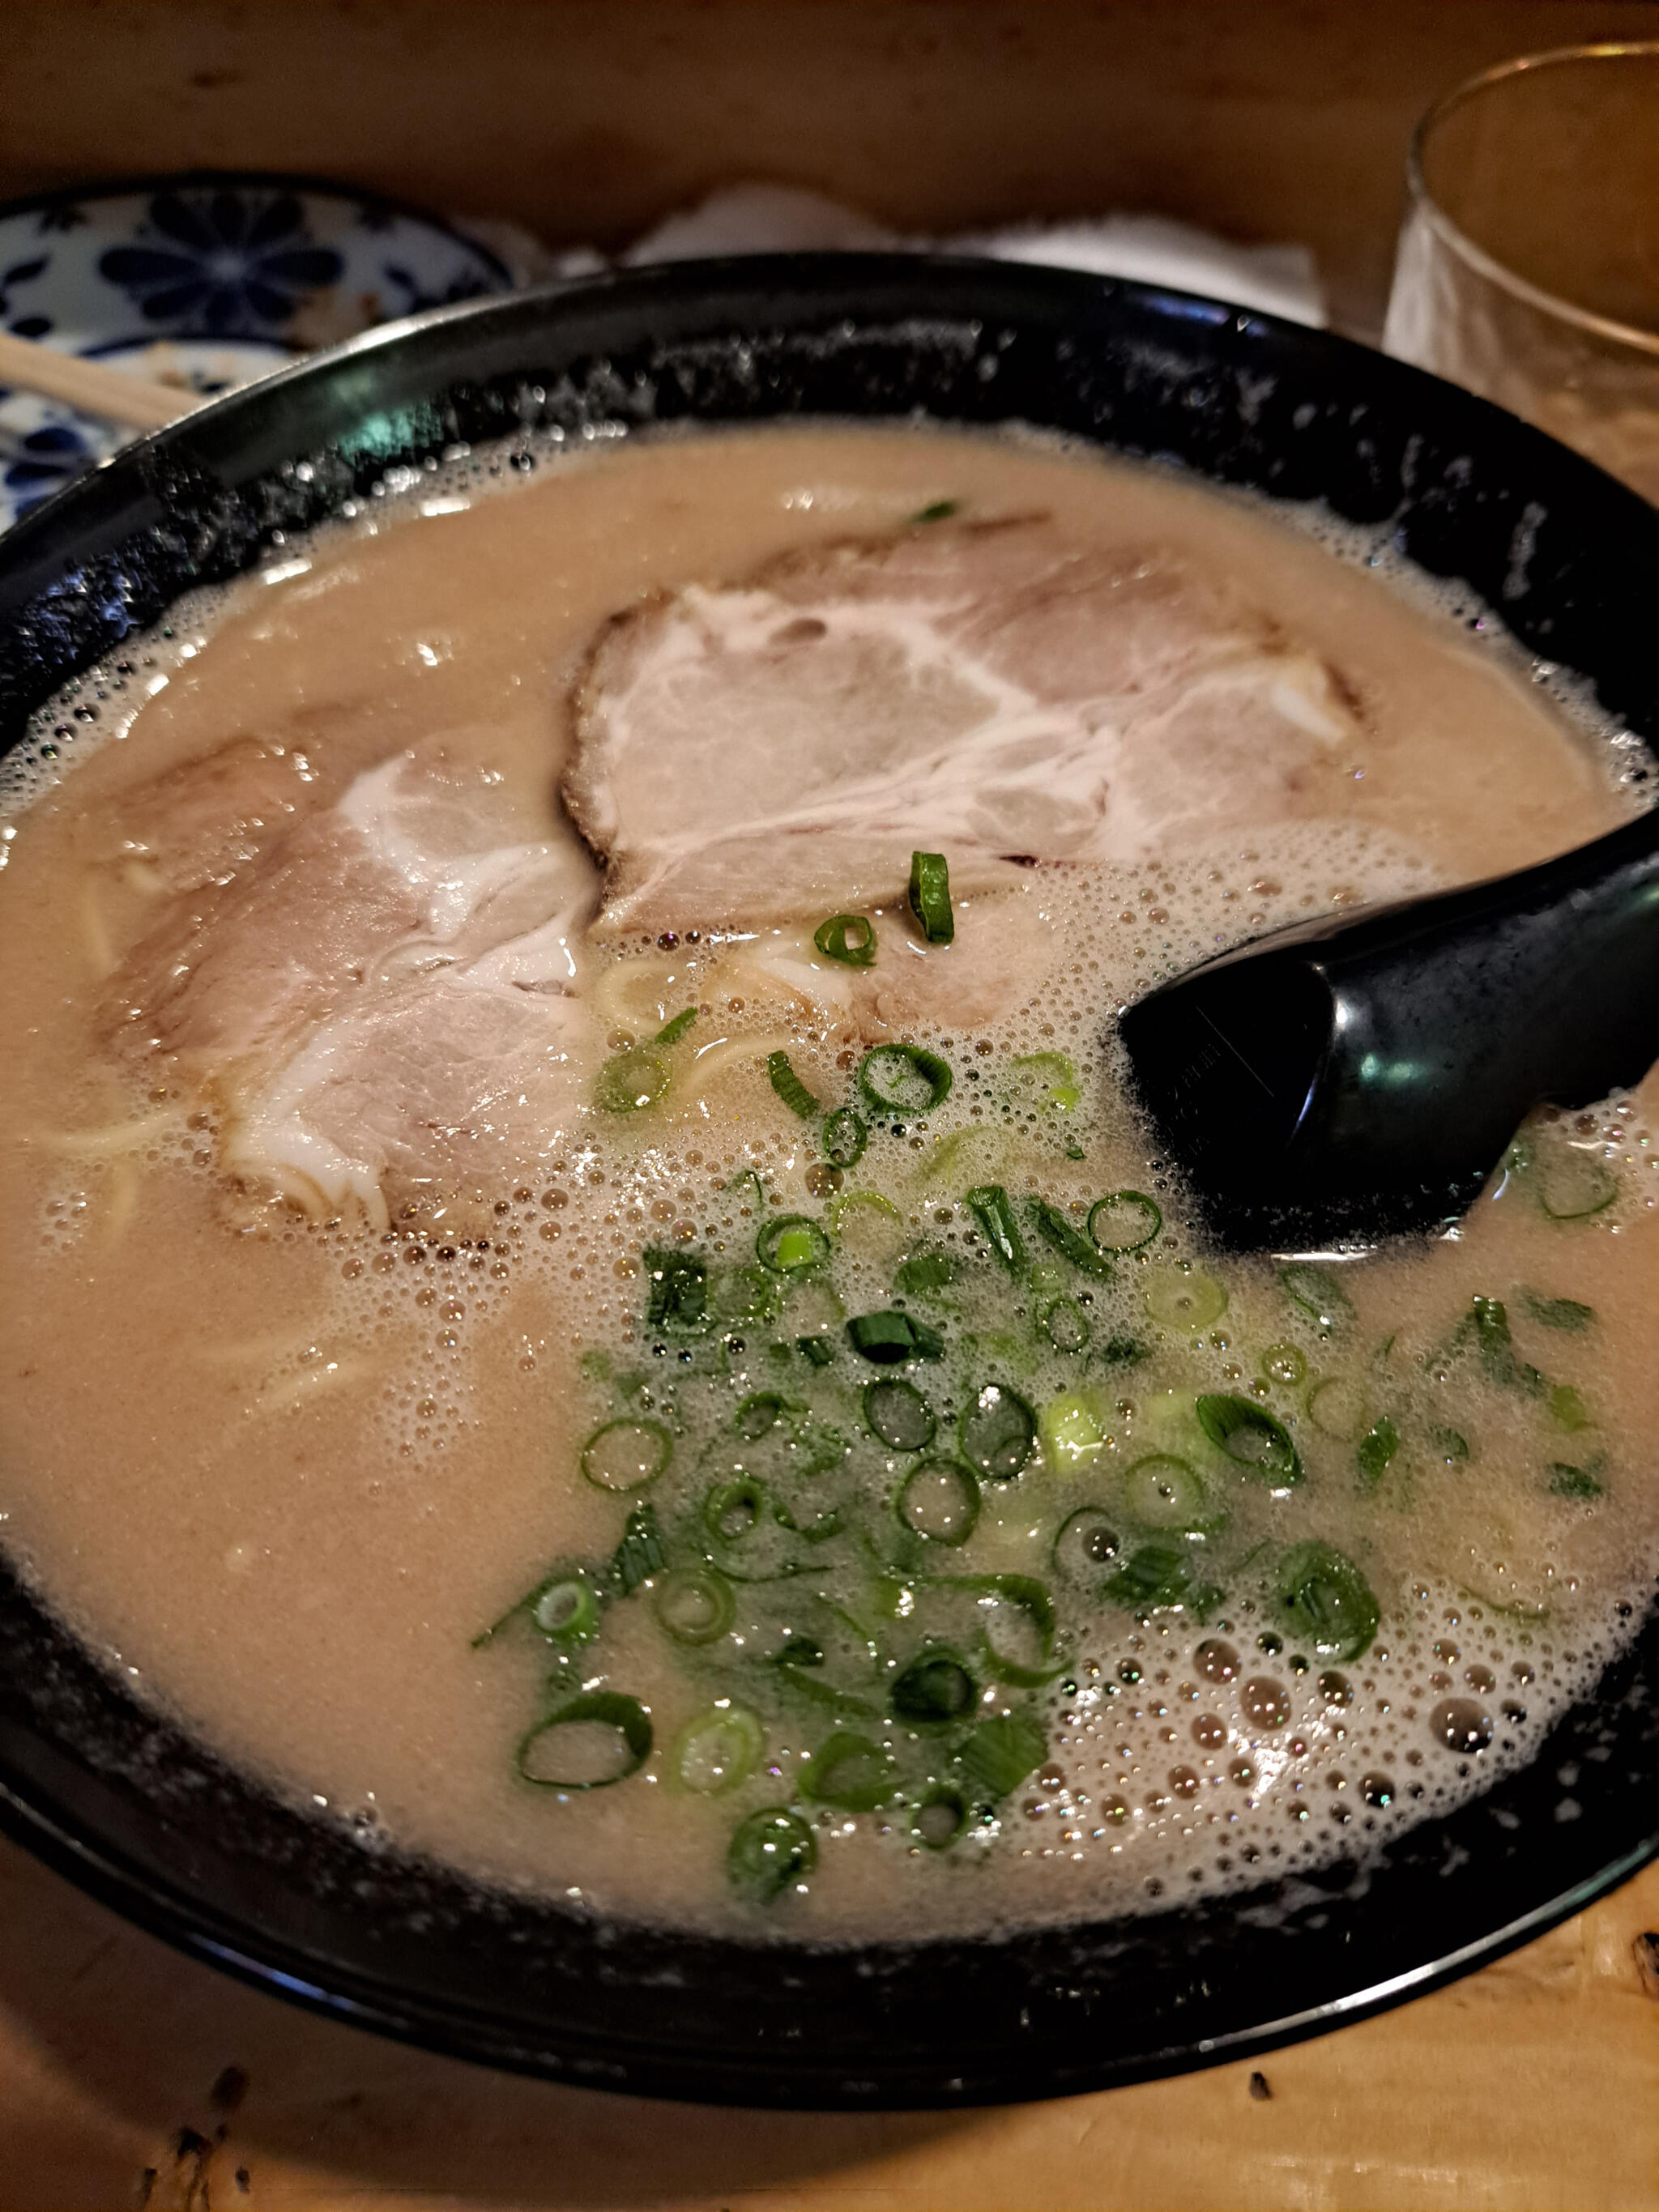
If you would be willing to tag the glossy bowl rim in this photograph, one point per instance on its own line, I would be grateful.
(1082, 311)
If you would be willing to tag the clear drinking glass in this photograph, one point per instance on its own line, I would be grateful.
(1528, 265)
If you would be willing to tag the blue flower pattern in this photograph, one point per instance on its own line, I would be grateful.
(42, 461)
(233, 265)
(207, 262)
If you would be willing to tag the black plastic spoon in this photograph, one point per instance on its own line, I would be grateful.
(1341, 1080)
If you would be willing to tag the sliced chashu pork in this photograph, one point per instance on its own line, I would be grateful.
(1000, 692)
(378, 997)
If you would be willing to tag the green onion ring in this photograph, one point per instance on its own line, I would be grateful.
(831, 939)
(716, 1750)
(891, 1078)
(930, 896)
(630, 1080)
(1124, 1221)
(896, 1412)
(606, 1709)
(693, 1605)
(844, 1137)
(769, 1851)
(792, 1245)
(635, 1455)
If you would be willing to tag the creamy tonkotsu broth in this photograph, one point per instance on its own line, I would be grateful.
(500, 1296)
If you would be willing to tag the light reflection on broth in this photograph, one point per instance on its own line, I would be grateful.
(441, 1274)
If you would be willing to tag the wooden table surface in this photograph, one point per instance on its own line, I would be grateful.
(129, 2075)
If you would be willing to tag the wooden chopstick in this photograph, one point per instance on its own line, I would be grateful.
(89, 386)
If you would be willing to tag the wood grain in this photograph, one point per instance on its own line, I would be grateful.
(589, 119)
(130, 2075)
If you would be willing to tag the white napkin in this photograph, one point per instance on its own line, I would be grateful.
(758, 218)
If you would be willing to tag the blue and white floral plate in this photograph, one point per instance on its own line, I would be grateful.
(203, 280)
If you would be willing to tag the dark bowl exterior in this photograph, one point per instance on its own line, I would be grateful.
(147, 1819)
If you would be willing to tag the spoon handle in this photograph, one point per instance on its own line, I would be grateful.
(1367, 1073)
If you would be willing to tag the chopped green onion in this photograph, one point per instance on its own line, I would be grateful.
(1086, 1543)
(1254, 1438)
(835, 940)
(762, 1411)
(1065, 1325)
(1573, 1481)
(627, 1454)
(639, 1554)
(990, 1206)
(749, 1535)
(930, 896)
(1559, 1313)
(630, 1080)
(1060, 1076)
(769, 1851)
(1567, 1408)
(997, 1432)
(816, 1448)
(817, 1350)
(1450, 1444)
(748, 1185)
(1340, 1407)
(790, 1088)
(935, 1689)
(1324, 1600)
(586, 1743)
(693, 1605)
(1073, 1434)
(1122, 1352)
(844, 1137)
(1573, 1185)
(796, 1664)
(940, 1500)
(751, 1294)
(940, 1817)
(850, 1772)
(732, 1510)
(565, 1605)
(1162, 1492)
(904, 1078)
(924, 1275)
(1125, 1221)
(1490, 1324)
(995, 1756)
(1284, 1363)
(865, 1201)
(1318, 1293)
(671, 1032)
(939, 510)
(1054, 1229)
(678, 1297)
(791, 1244)
(1376, 1447)
(1157, 1576)
(890, 1338)
(897, 1412)
(1183, 1297)
(1026, 1601)
(716, 1751)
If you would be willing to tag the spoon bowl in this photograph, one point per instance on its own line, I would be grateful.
(1342, 1081)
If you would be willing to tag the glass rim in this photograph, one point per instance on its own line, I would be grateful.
(1457, 240)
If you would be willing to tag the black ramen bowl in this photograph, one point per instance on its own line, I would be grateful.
(161, 1829)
